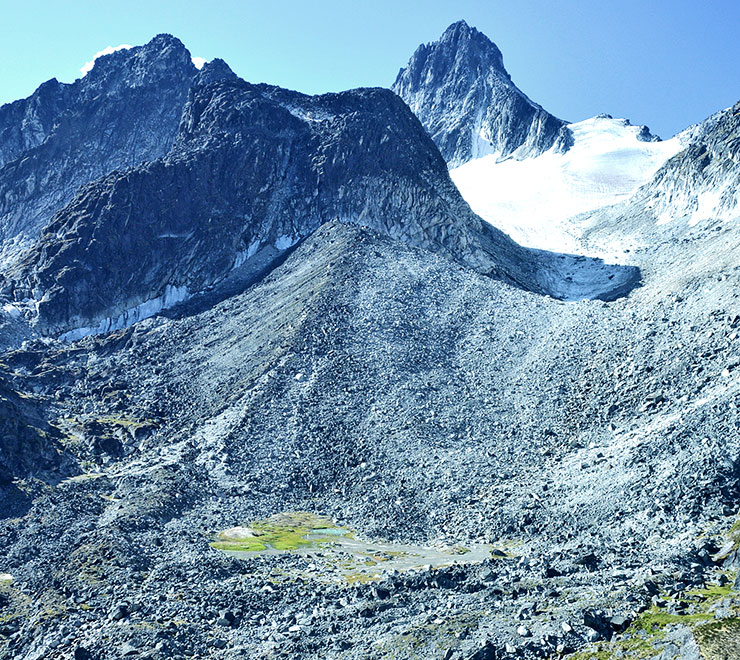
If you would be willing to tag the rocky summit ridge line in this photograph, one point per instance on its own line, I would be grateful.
(125, 111)
(461, 92)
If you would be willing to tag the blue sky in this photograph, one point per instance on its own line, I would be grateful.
(666, 63)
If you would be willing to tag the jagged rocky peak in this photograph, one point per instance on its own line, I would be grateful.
(461, 92)
(125, 111)
(24, 124)
(161, 57)
(214, 70)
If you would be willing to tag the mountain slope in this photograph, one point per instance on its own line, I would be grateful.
(407, 398)
(123, 112)
(461, 92)
(693, 196)
(703, 183)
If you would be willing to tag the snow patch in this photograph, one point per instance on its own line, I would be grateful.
(308, 115)
(12, 310)
(696, 207)
(175, 235)
(480, 145)
(88, 66)
(284, 242)
(535, 200)
(172, 296)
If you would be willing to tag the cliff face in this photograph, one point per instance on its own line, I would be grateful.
(123, 112)
(254, 169)
(461, 92)
(703, 181)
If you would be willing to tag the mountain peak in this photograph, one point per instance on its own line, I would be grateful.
(461, 92)
(468, 41)
(164, 40)
(458, 30)
(162, 53)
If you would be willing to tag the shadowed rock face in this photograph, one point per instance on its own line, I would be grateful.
(30, 446)
(123, 112)
(253, 168)
(461, 92)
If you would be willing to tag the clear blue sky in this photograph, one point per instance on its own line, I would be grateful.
(665, 63)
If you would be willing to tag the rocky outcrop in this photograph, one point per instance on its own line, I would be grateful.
(123, 112)
(30, 446)
(461, 92)
(703, 181)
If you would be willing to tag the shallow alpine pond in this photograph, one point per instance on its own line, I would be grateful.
(336, 550)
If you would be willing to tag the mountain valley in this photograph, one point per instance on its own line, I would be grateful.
(413, 373)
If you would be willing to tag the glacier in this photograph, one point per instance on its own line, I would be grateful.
(535, 200)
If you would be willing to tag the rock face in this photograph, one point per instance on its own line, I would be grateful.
(123, 112)
(461, 92)
(703, 181)
(693, 195)
(30, 445)
(254, 170)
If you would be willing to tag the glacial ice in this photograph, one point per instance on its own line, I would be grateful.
(172, 295)
(535, 200)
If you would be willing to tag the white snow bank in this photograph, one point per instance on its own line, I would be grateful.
(285, 241)
(88, 66)
(532, 200)
(171, 296)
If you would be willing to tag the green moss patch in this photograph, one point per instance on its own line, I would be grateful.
(283, 532)
(642, 639)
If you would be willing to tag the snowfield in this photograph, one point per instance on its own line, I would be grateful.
(535, 200)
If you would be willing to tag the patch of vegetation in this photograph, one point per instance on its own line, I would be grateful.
(655, 620)
(641, 639)
(719, 640)
(458, 550)
(247, 545)
(126, 422)
(712, 593)
(431, 639)
(734, 534)
(733, 541)
(283, 531)
(359, 578)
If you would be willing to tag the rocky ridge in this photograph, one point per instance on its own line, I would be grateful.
(254, 170)
(695, 195)
(122, 113)
(461, 92)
